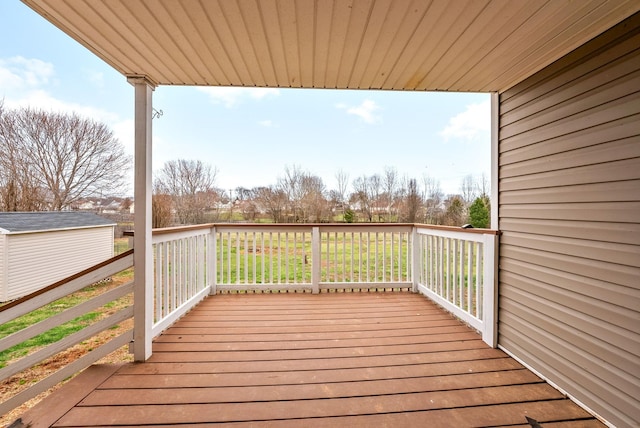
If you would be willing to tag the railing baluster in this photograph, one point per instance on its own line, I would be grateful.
(470, 278)
(454, 291)
(344, 256)
(172, 274)
(409, 260)
(166, 274)
(229, 257)
(286, 257)
(352, 257)
(295, 257)
(334, 259)
(478, 281)
(255, 258)
(375, 262)
(399, 257)
(156, 282)
(262, 259)
(447, 267)
(279, 235)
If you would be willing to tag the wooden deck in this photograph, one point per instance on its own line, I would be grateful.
(301, 360)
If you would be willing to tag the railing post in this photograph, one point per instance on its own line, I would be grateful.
(490, 290)
(315, 260)
(415, 259)
(143, 254)
(212, 262)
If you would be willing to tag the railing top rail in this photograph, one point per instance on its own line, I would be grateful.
(65, 281)
(458, 229)
(166, 230)
(306, 226)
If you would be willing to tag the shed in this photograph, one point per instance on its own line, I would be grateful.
(40, 248)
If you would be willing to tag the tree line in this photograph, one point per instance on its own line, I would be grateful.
(49, 161)
(185, 193)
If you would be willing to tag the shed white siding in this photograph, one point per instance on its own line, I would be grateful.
(38, 259)
(3, 270)
(569, 212)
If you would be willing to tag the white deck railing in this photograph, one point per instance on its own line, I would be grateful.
(311, 257)
(457, 269)
(454, 267)
(182, 272)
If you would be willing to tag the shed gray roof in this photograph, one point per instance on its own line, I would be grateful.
(36, 221)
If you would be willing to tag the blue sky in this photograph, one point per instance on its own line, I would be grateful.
(250, 135)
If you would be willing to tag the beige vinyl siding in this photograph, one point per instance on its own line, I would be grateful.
(42, 258)
(569, 212)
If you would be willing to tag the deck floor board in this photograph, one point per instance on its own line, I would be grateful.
(330, 360)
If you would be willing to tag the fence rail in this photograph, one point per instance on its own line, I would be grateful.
(50, 294)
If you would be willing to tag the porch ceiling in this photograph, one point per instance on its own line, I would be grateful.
(461, 45)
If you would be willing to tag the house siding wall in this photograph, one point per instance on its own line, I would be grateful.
(36, 260)
(569, 212)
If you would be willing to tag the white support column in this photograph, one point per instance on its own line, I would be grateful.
(143, 253)
(495, 130)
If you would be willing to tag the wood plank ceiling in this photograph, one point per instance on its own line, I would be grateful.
(448, 45)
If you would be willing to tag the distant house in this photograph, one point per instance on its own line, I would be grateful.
(40, 248)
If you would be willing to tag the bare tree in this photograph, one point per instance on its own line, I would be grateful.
(305, 194)
(412, 202)
(433, 200)
(340, 195)
(455, 213)
(50, 160)
(469, 189)
(314, 201)
(484, 187)
(291, 184)
(244, 199)
(191, 186)
(366, 193)
(272, 200)
(161, 211)
(391, 192)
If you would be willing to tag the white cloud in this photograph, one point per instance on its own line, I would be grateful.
(19, 72)
(95, 77)
(231, 96)
(124, 130)
(40, 99)
(266, 123)
(475, 121)
(366, 111)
